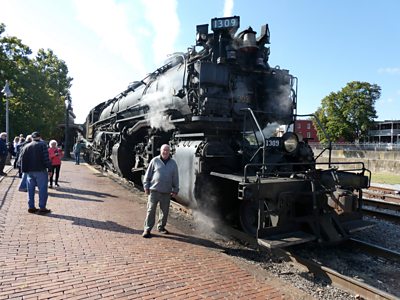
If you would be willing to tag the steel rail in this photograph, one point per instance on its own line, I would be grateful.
(395, 206)
(341, 281)
(346, 283)
(374, 249)
(381, 215)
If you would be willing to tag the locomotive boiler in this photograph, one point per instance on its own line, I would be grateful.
(229, 119)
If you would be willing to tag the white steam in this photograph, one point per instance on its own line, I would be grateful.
(110, 22)
(203, 223)
(159, 99)
(164, 20)
(158, 103)
(126, 32)
(228, 8)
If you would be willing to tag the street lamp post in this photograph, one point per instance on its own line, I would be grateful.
(67, 153)
(7, 92)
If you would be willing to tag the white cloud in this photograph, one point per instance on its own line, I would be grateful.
(389, 70)
(127, 35)
(228, 8)
(139, 33)
(110, 22)
(163, 18)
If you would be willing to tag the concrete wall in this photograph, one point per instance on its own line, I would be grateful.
(375, 161)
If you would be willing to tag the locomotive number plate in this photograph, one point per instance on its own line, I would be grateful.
(273, 142)
(225, 23)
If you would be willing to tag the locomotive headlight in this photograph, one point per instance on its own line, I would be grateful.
(201, 34)
(290, 141)
(201, 37)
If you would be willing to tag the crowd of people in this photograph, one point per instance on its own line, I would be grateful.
(38, 165)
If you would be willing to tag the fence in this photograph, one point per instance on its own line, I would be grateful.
(360, 146)
(376, 157)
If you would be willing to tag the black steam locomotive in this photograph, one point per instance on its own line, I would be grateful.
(229, 117)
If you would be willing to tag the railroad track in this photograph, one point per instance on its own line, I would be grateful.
(378, 193)
(382, 203)
(374, 249)
(356, 287)
(393, 206)
(382, 215)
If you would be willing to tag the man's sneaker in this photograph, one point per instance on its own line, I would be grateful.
(22, 190)
(163, 230)
(44, 211)
(32, 210)
(146, 234)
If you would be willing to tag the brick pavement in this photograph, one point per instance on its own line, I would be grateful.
(90, 247)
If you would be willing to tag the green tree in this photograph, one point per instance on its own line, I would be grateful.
(349, 113)
(38, 84)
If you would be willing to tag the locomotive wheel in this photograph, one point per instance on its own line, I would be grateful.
(249, 217)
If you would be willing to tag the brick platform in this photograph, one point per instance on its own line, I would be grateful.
(90, 247)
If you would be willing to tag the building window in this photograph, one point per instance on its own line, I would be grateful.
(308, 134)
(299, 125)
(308, 125)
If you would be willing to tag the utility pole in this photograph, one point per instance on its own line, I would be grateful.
(67, 153)
(7, 92)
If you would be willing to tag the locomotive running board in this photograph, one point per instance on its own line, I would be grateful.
(286, 239)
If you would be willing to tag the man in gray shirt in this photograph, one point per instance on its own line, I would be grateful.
(161, 181)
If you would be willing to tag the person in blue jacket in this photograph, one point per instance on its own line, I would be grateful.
(79, 145)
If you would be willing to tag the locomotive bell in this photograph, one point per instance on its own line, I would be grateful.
(249, 40)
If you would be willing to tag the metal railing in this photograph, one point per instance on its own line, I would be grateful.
(359, 146)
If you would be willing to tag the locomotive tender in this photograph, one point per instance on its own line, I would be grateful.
(229, 117)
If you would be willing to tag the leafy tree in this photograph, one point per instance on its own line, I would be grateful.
(348, 114)
(38, 84)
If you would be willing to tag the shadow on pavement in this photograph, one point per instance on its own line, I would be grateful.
(85, 192)
(103, 225)
(72, 197)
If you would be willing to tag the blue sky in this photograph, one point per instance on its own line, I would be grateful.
(109, 43)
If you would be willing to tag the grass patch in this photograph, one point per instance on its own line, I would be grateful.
(385, 178)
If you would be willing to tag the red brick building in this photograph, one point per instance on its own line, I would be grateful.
(307, 130)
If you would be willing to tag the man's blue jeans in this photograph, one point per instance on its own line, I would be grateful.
(77, 157)
(39, 179)
(22, 184)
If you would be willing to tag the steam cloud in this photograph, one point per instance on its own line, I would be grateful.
(228, 8)
(127, 39)
(158, 103)
(162, 99)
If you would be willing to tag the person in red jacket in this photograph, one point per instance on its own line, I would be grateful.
(55, 155)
